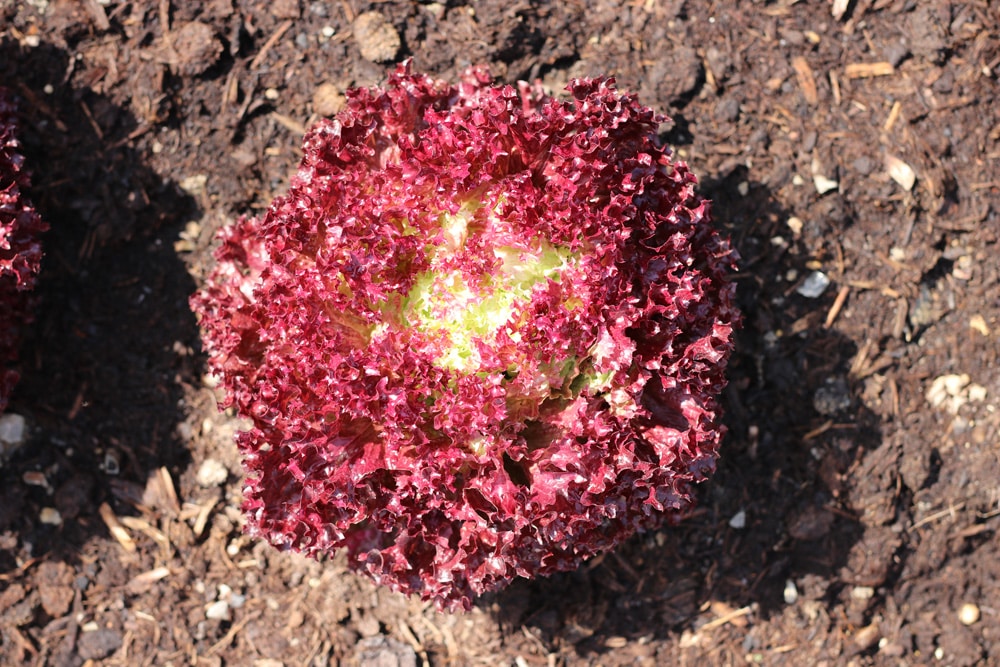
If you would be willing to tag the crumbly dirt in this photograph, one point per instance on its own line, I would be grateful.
(853, 519)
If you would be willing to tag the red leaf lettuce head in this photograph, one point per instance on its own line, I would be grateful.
(481, 337)
(20, 246)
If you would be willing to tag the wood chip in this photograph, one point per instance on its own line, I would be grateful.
(822, 182)
(143, 582)
(201, 521)
(289, 123)
(838, 303)
(727, 618)
(893, 116)
(115, 528)
(900, 172)
(818, 431)
(978, 322)
(138, 524)
(269, 44)
(951, 511)
(835, 87)
(160, 492)
(98, 14)
(807, 81)
(722, 609)
(868, 70)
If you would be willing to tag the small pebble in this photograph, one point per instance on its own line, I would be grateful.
(791, 593)
(727, 110)
(218, 611)
(211, 473)
(824, 184)
(977, 393)
(196, 48)
(377, 39)
(833, 397)
(864, 165)
(867, 636)
(35, 478)
(194, 185)
(811, 523)
(739, 520)
(112, 465)
(435, 9)
(814, 285)
(98, 644)
(382, 650)
(963, 268)
(968, 614)
(862, 593)
(50, 516)
(328, 100)
(896, 52)
(13, 429)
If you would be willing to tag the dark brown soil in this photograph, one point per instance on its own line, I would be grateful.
(853, 519)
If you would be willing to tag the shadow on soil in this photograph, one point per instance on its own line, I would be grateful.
(774, 512)
(101, 371)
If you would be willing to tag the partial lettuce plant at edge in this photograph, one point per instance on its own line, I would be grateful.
(20, 246)
(481, 337)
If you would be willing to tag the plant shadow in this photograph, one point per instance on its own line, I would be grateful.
(773, 524)
(103, 364)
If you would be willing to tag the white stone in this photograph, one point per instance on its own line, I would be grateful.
(814, 285)
(218, 611)
(50, 516)
(791, 593)
(968, 614)
(13, 431)
(212, 473)
(824, 184)
(862, 592)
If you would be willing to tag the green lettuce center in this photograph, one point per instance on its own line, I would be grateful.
(447, 306)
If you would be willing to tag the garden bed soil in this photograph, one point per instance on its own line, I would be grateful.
(853, 518)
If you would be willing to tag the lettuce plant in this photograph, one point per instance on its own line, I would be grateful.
(482, 336)
(20, 246)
